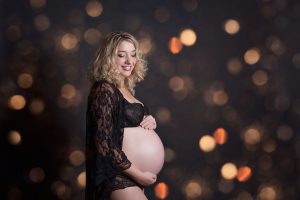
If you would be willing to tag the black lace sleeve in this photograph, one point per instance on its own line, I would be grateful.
(103, 108)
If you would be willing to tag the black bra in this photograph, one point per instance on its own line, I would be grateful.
(134, 113)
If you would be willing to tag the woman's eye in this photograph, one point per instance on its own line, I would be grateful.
(121, 56)
(134, 55)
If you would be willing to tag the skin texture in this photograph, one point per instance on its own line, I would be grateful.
(125, 59)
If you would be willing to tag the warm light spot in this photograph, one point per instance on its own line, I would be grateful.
(269, 146)
(285, 133)
(41, 22)
(38, 3)
(162, 14)
(188, 37)
(146, 45)
(92, 36)
(14, 137)
(176, 83)
(94, 8)
(68, 91)
(81, 180)
(193, 190)
(229, 171)
(37, 106)
(220, 136)
(220, 97)
(37, 175)
(267, 193)
(244, 173)
(17, 102)
(234, 66)
(161, 190)
(77, 157)
(274, 44)
(252, 56)
(25, 80)
(231, 26)
(59, 188)
(13, 33)
(252, 136)
(163, 115)
(175, 45)
(169, 155)
(207, 143)
(260, 78)
(69, 41)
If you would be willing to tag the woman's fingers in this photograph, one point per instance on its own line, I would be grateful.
(148, 123)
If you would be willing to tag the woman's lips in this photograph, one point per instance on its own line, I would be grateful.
(126, 68)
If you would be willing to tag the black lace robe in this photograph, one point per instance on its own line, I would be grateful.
(104, 135)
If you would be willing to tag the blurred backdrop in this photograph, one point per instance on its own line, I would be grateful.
(223, 84)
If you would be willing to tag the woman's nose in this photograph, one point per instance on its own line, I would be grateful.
(128, 60)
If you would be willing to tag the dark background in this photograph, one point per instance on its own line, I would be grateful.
(39, 166)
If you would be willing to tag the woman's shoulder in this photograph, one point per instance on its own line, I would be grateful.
(104, 86)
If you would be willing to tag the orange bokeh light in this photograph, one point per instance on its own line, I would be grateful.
(220, 136)
(161, 190)
(244, 173)
(175, 45)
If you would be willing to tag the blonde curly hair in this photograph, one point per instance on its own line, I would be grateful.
(103, 67)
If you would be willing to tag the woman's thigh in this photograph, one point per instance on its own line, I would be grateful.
(129, 193)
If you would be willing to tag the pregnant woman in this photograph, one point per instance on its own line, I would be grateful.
(123, 152)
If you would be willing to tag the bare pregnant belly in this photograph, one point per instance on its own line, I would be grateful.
(144, 149)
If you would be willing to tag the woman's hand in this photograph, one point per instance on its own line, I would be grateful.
(148, 123)
(146, 178)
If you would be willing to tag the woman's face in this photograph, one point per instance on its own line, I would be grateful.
(125, 58)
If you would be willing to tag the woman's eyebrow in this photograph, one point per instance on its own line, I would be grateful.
(127, 51)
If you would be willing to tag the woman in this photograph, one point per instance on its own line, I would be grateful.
(115, 116)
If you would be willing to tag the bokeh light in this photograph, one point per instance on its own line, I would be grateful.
(37, 174)
(41, 22)
(267, 193)
(25, 80)
(220, 136)
(207, 143)
(229, 171)
(231, 26)
(161, 190)
(169, 155)
(252, 56)
(37, 106)
(92, 36)
(81, 180)
(175, 45)
(69, 41)
(285, 132)
(94, 8)
(163, 115)
(252, 136)
(193, 190)
(17, 102)
(234, 66)
(260, 78)
(13, 33)
(14, 137)
(244, 173)
(188, 37)
(77, 157)
(68, 91)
